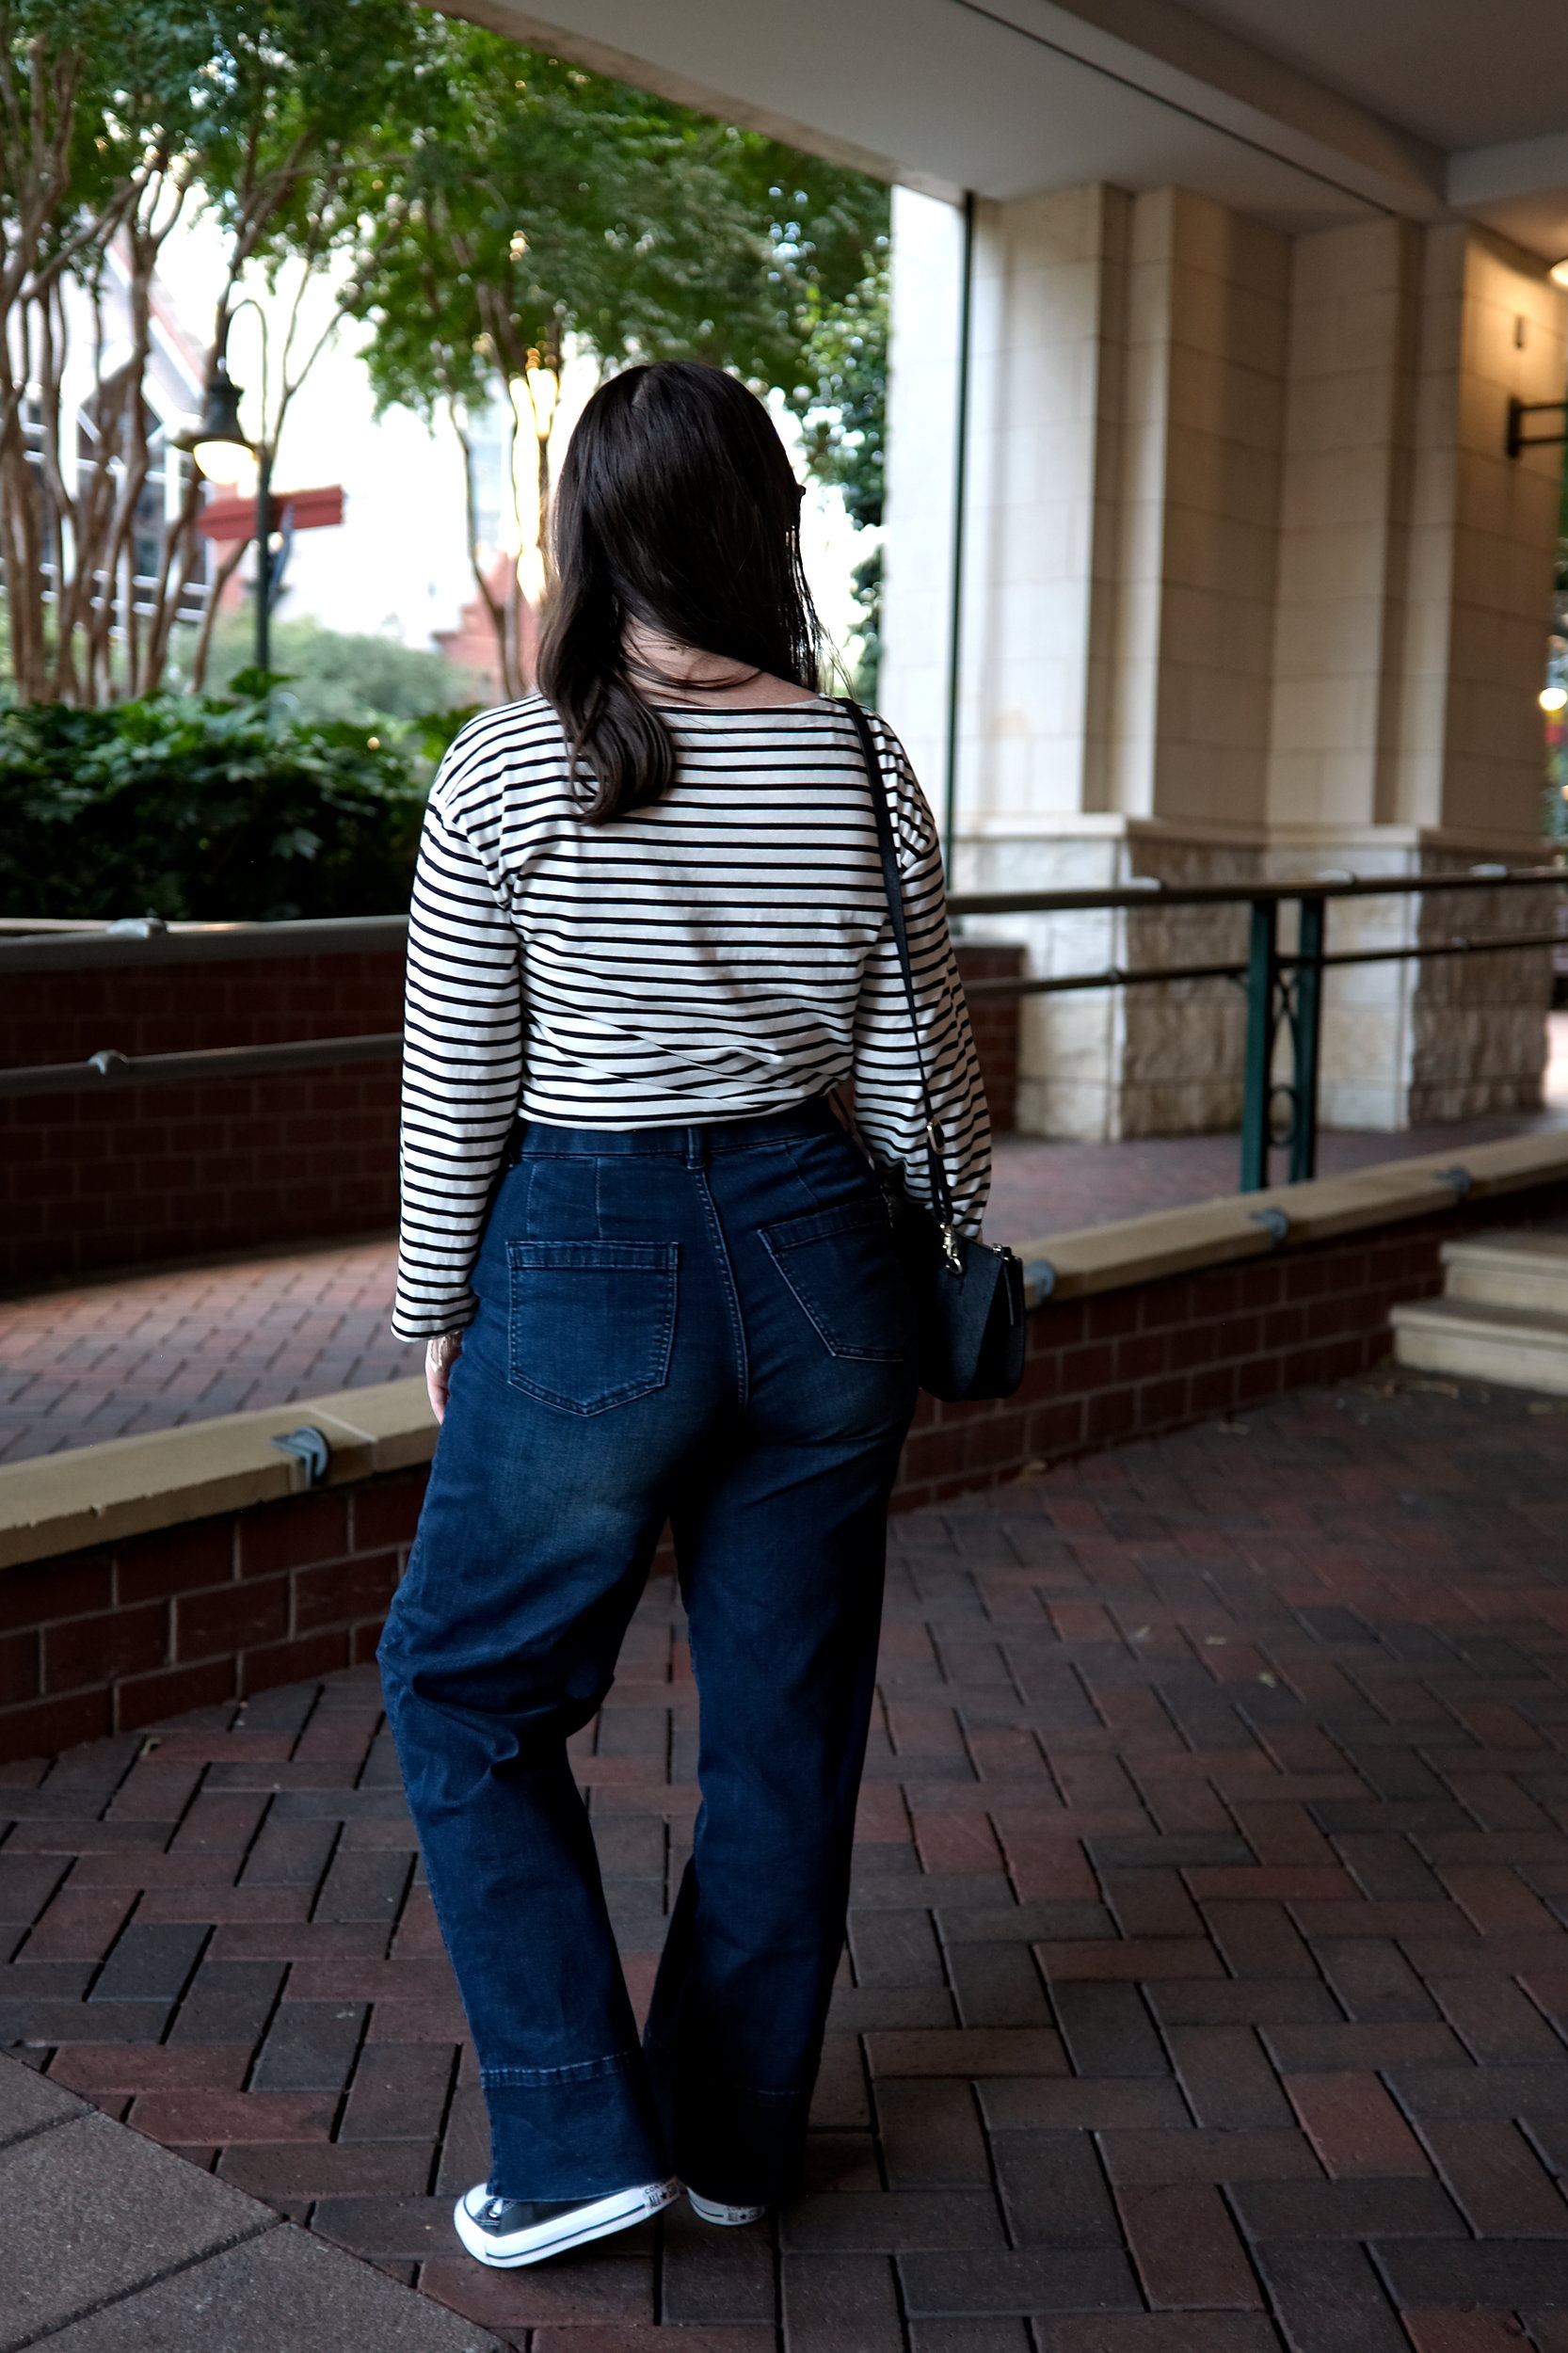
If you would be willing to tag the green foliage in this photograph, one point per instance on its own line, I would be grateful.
(488, 205)
(842, 402)
(298, 97)
(201, 807)
(866, 587)
(369, 682)
(544, 202)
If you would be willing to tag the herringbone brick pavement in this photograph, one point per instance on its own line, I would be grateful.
(1207, 1970)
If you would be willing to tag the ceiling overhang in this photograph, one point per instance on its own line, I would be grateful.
(1009, 97)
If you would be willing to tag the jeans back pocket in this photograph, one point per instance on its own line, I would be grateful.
(590, 1324)
(843, 1270)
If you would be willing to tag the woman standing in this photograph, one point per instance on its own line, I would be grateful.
(650, 937)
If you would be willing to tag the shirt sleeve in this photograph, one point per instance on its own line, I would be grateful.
(888, 1105)
(462, 1072)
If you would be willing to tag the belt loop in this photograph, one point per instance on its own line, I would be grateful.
(696, 1147)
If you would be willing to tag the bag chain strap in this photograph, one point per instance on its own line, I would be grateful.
(893, 886)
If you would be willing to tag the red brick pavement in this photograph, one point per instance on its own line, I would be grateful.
(1208, 1966)
(152, 1350)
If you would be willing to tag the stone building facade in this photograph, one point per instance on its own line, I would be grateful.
(1251, 589)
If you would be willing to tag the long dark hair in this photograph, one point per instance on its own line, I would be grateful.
(677, 507)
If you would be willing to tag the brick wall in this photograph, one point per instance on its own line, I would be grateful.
(130, 1176)
(1157, 1355)
(995, 1023)
(137, 1175)
(109, 1639)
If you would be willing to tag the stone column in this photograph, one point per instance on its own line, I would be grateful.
(1251, 589)
(1415, 562)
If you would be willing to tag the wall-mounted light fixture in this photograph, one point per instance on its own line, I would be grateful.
(1519, 410)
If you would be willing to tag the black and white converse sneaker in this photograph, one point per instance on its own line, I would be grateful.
(732, 2217)
(505, 2231)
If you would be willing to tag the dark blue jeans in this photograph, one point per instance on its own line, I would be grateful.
(706, 1327)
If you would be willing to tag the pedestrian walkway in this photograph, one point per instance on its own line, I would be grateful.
(152, 1351)
(1209, 1966)
(110, 2245)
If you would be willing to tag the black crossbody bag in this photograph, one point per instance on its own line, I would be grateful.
(969, 1295)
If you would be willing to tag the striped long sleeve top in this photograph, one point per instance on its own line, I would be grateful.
(722, 955)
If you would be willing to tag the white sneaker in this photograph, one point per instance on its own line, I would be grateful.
(506, 2232)
(732, 2217)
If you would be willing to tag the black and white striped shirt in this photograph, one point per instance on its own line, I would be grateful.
(722, 955)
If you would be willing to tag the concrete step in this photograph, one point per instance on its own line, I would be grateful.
(1513, 1348)
(1508, 1270)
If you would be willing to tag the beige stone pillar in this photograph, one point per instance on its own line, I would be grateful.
(1250, 588)
(1414, 583)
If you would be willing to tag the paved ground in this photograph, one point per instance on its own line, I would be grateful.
(1208, 1981)
(110, 1359)
(110, 2245)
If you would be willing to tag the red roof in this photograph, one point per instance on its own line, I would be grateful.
(235, 518)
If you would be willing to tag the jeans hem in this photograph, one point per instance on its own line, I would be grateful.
(540, 2078)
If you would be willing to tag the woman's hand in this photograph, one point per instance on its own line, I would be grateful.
(440, 1354)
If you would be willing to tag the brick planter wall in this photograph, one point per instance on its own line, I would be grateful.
(995, 1023)
(125, 1175)
(1128, 1363)
(120, 1176)
(112, 1638)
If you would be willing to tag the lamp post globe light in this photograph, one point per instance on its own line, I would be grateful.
(213, 440)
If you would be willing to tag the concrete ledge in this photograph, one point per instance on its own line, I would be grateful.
(127, 1486)
(1239, 1225)
(109, 2244)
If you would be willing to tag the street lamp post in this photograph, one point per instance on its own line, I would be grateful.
(264, 556)
(219, 427)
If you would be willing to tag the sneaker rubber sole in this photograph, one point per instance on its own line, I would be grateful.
(728, 2217)
(597, 2220)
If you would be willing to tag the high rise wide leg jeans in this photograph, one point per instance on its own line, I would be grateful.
(707, 1326)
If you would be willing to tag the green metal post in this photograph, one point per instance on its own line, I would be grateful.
(1306, 1031)
(960, 510)
(1257, 1084)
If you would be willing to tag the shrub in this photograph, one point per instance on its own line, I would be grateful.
(332, 673)
(207, 808)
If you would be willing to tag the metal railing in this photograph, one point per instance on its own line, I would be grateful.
(29, 946)
(112, 1068)
(39, 945)
(1284, 989)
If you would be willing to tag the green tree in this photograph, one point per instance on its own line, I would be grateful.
(117, 118)
(842, 406)
(547, 209)
(373, 683)
(842, 399)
